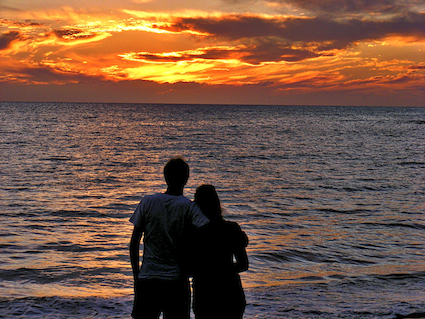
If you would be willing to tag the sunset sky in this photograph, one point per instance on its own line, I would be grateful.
(316, 52)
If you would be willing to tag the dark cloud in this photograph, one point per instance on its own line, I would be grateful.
(48, 74)
(265, 50)
(7, 38)
(408, 79)
(327, 33)
(271, 50)
(331, 34)
(6, 8)
(159, 58)
(231, 26)
(19, 24)
(329, 7)
(72, 34)
(293, 39)
(417, 67)
(404, 79)
(350, 6)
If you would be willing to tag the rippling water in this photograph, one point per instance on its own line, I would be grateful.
(332, 199)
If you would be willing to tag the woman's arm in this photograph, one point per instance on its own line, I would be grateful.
(241, 257)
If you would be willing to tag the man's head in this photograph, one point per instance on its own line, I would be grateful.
(176, 172)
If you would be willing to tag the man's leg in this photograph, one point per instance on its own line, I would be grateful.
(177, 300)
(147, 300)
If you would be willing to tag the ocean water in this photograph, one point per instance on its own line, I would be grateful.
(332, 199)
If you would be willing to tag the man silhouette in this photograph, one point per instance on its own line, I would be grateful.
(161, 284)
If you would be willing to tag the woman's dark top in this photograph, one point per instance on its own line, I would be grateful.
(218, 291)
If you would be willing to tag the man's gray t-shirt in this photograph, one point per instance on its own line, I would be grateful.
(163, 219)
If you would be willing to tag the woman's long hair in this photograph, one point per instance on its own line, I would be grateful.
(207, 199)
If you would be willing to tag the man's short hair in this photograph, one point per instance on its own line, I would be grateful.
(176, 171)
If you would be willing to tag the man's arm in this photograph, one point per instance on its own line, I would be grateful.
(134, 251)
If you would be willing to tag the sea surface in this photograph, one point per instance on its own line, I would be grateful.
(332, 199)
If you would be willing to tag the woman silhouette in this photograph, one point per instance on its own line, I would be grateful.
(219, 256)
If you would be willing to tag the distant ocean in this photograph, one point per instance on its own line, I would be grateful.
(332, 199)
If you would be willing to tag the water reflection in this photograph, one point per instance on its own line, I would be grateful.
(323, 193)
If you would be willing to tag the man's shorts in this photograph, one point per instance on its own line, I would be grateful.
(152, 297)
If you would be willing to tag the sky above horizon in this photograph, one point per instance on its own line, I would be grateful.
(317, 52)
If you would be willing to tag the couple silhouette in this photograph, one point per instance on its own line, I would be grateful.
(183, 239)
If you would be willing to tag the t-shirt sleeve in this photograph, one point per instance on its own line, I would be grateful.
(198, 218)
(138, 217)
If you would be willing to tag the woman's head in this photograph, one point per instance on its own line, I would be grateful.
(207, 199)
